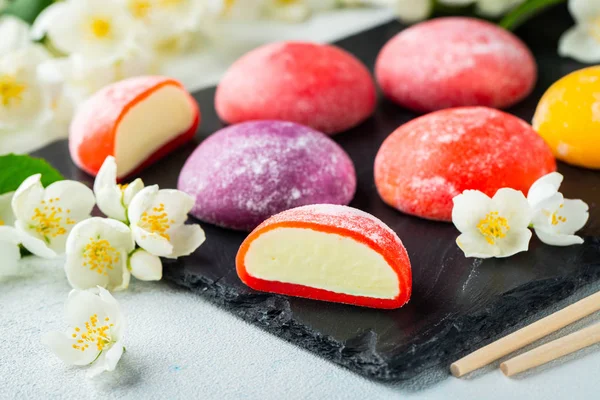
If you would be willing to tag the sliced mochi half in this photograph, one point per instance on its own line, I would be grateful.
(327, 252)
(137, 120)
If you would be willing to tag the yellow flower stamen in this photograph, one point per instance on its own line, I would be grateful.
(101, 28)
(95, 334)
(139, 8)
(156, 221)
(1, 222)
(493, 227)
(11, 91)
(50, 221)
(285, 2)
(123, 186)
(100, 256)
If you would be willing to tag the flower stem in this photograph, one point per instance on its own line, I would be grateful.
(526, 11)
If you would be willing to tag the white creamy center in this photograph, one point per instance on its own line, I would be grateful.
(149, 125)
(321, 260)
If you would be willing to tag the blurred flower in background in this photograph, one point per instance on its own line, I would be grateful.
(29, 97)
(582, 42)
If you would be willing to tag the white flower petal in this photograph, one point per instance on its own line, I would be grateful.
(82, 277)
(584, 10)
(98, 367)
(112, 309)
(61, 344)
(113, 355)
(74, 196)
(145, 266)
(49, 16)
(34, 245)
(576, 214)
(108, 195)
(14, 33)
(578, 43)
(6, 214)
(152, 242)
(544, 188)
(186, 239)
(141, 202)
(554, 239)
(542, 216)
(512, 205)
(177, 204)
(81, 305)
(9, 252)
(475, 245)
(469, 208)
(27, 197)
(131, 190)
(514, 242)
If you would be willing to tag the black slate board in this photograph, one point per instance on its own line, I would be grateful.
(458, 304)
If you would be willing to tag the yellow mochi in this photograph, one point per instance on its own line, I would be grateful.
(568, 118)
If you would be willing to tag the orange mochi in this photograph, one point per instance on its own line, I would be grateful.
(137, 120)
(424, 163)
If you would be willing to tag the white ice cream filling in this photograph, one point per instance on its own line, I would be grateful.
(321, 260)
(150, 124)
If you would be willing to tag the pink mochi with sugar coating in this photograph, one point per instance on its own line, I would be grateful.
(317, 85)
(453, 62)
(245, 173)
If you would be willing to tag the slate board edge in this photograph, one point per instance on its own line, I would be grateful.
(273, 314)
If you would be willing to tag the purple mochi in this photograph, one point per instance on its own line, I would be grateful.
(245, 173)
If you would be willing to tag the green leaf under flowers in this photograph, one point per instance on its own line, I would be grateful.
(27, 10)
(525, 11)
(14, 169)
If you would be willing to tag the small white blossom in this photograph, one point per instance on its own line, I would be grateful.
(95, 331)
(97, 254)
(556, 219)
(495, 227)
(113, 199)
(27, 96)
(46, 216)
(582, 42)
(169, 25)
(157, 220)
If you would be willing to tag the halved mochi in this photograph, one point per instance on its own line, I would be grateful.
(137, 120)
(327, 252)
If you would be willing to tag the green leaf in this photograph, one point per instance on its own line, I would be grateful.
(14, 169)
(27, 10)
(526, 11)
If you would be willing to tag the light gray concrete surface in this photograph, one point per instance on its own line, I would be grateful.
(180, 346)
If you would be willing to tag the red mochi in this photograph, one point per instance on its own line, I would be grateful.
(424, 163)
(318, 85)
(453, 62)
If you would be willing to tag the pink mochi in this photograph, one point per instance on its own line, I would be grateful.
(317, 85)
(455, 61)
(245, 173)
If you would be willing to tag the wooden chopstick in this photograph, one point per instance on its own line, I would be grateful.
(526, 335)
(552, 350)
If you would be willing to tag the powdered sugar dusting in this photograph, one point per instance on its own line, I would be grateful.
(316, 85)
(449, 62)
(245, 173)
(466, 148)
